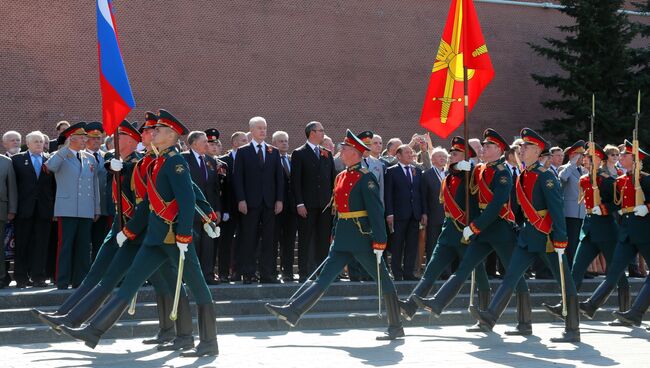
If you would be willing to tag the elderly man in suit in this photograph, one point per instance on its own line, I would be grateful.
(36, 188)
(431, 195)
(286, 223)
(259, 190)
(11, 141)
(574, 211)
(95, 136)
(8, 207)
(203, 170)
(405, 211)
(312, 178)
(76, 205)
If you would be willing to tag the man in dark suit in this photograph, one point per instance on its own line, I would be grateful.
(259, 190)
(431, 195)
(405, 211)
(36, 188)
(286, 223)
(203, 170)
(231, 217)
(312, 179)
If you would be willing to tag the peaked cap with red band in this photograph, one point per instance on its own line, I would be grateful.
(353, 141)
(491, 136)
(166, 119)
(458, 144)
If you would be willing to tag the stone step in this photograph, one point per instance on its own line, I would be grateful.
(257, 323)
(33, 298)
(249, 307)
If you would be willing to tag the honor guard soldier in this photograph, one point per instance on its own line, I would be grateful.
(491, 230)
(599, 229)
(359, 231)
(449, 246)
(76, 205)
(540, 197)
(632, 238)
(167, 214)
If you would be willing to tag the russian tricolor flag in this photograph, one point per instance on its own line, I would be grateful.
(117, 98)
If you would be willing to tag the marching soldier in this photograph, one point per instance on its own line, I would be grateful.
(171, 199)
(599, 231)
(632, 239)
(449, 247)
(76, 205)
(491, 230)
(359, 232)
(540, 197)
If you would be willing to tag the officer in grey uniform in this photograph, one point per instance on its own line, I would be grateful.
(76, 205)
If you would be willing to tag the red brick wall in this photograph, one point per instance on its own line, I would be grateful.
(351, 63)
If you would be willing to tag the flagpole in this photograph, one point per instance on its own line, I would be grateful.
(118, 178)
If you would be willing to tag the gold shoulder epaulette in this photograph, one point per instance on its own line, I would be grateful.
(500, 167)
(172, 153)
(364, 170)
(543, 168)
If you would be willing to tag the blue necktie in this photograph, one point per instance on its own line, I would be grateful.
(36, 162)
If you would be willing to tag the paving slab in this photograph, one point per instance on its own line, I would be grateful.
(445, 346)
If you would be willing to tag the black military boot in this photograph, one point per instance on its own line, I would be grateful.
(555, 310)
(524, 316)
(100, 323)
(600, 295)
(207, 333)
(623, 306)
(640, 305)
(184, 339)
(395, 328)
(571, 323)
(483, 302)
(489, 317)
(80, 313)
(443, 297)
(164, 305)
(408, 307)
(291, 313)
(69, 303)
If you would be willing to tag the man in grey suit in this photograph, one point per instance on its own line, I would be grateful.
(95, 137)
(8, 206)
(574, 212)
(76, 205)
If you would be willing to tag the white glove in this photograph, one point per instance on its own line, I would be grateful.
(378, 254)
(620, 212)
(226, 217)
(467, 232)
(463, 165)
(211, 230)
(559, 251)
(641, 210)
(596, 211)
(116, 165)
(120, 238)
(182, 247)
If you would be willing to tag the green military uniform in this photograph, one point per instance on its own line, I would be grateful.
(632, 239)
(493, 230)
(359, 228)
(449, 246)
(167, 216)
(599, 233)
(540, 196)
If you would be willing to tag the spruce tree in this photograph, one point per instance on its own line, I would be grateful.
(594, 57)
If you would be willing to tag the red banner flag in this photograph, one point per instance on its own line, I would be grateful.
(462, 45)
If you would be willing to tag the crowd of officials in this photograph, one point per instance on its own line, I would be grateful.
(56, 206)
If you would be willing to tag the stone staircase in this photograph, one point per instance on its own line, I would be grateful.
(240, 309)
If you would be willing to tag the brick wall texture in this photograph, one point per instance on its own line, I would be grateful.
(358, 64)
